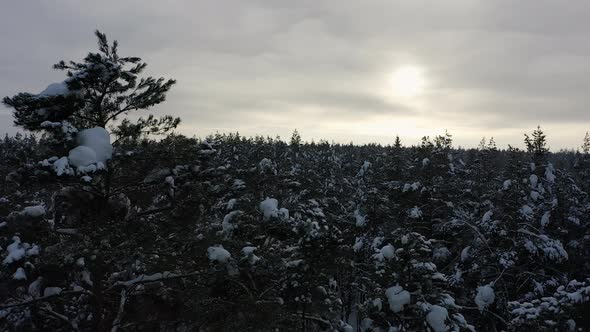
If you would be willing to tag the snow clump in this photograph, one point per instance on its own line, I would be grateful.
(436, 318)
(33, 211)
(94, 148)
(270, 209)
(485, 297)
(397, 298)
(219, 254)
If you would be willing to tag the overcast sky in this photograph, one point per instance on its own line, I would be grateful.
(490, 68)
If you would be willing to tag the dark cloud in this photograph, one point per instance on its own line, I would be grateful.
(493, 67)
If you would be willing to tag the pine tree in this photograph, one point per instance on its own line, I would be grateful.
(97, 92)
(583, 163)
(586, 144)
(482, 144)
(492, 145)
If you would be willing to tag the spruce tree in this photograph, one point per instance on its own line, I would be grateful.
(295, 139)
(536, 144)
(398, 142)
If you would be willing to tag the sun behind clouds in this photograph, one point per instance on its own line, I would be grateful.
(408, 81)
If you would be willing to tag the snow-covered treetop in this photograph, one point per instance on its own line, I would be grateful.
(97, 91)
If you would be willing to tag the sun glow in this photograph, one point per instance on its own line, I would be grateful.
(408, 81)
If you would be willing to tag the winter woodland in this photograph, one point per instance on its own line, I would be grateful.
(109, 221)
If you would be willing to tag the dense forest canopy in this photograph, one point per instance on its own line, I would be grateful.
(107, 223)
